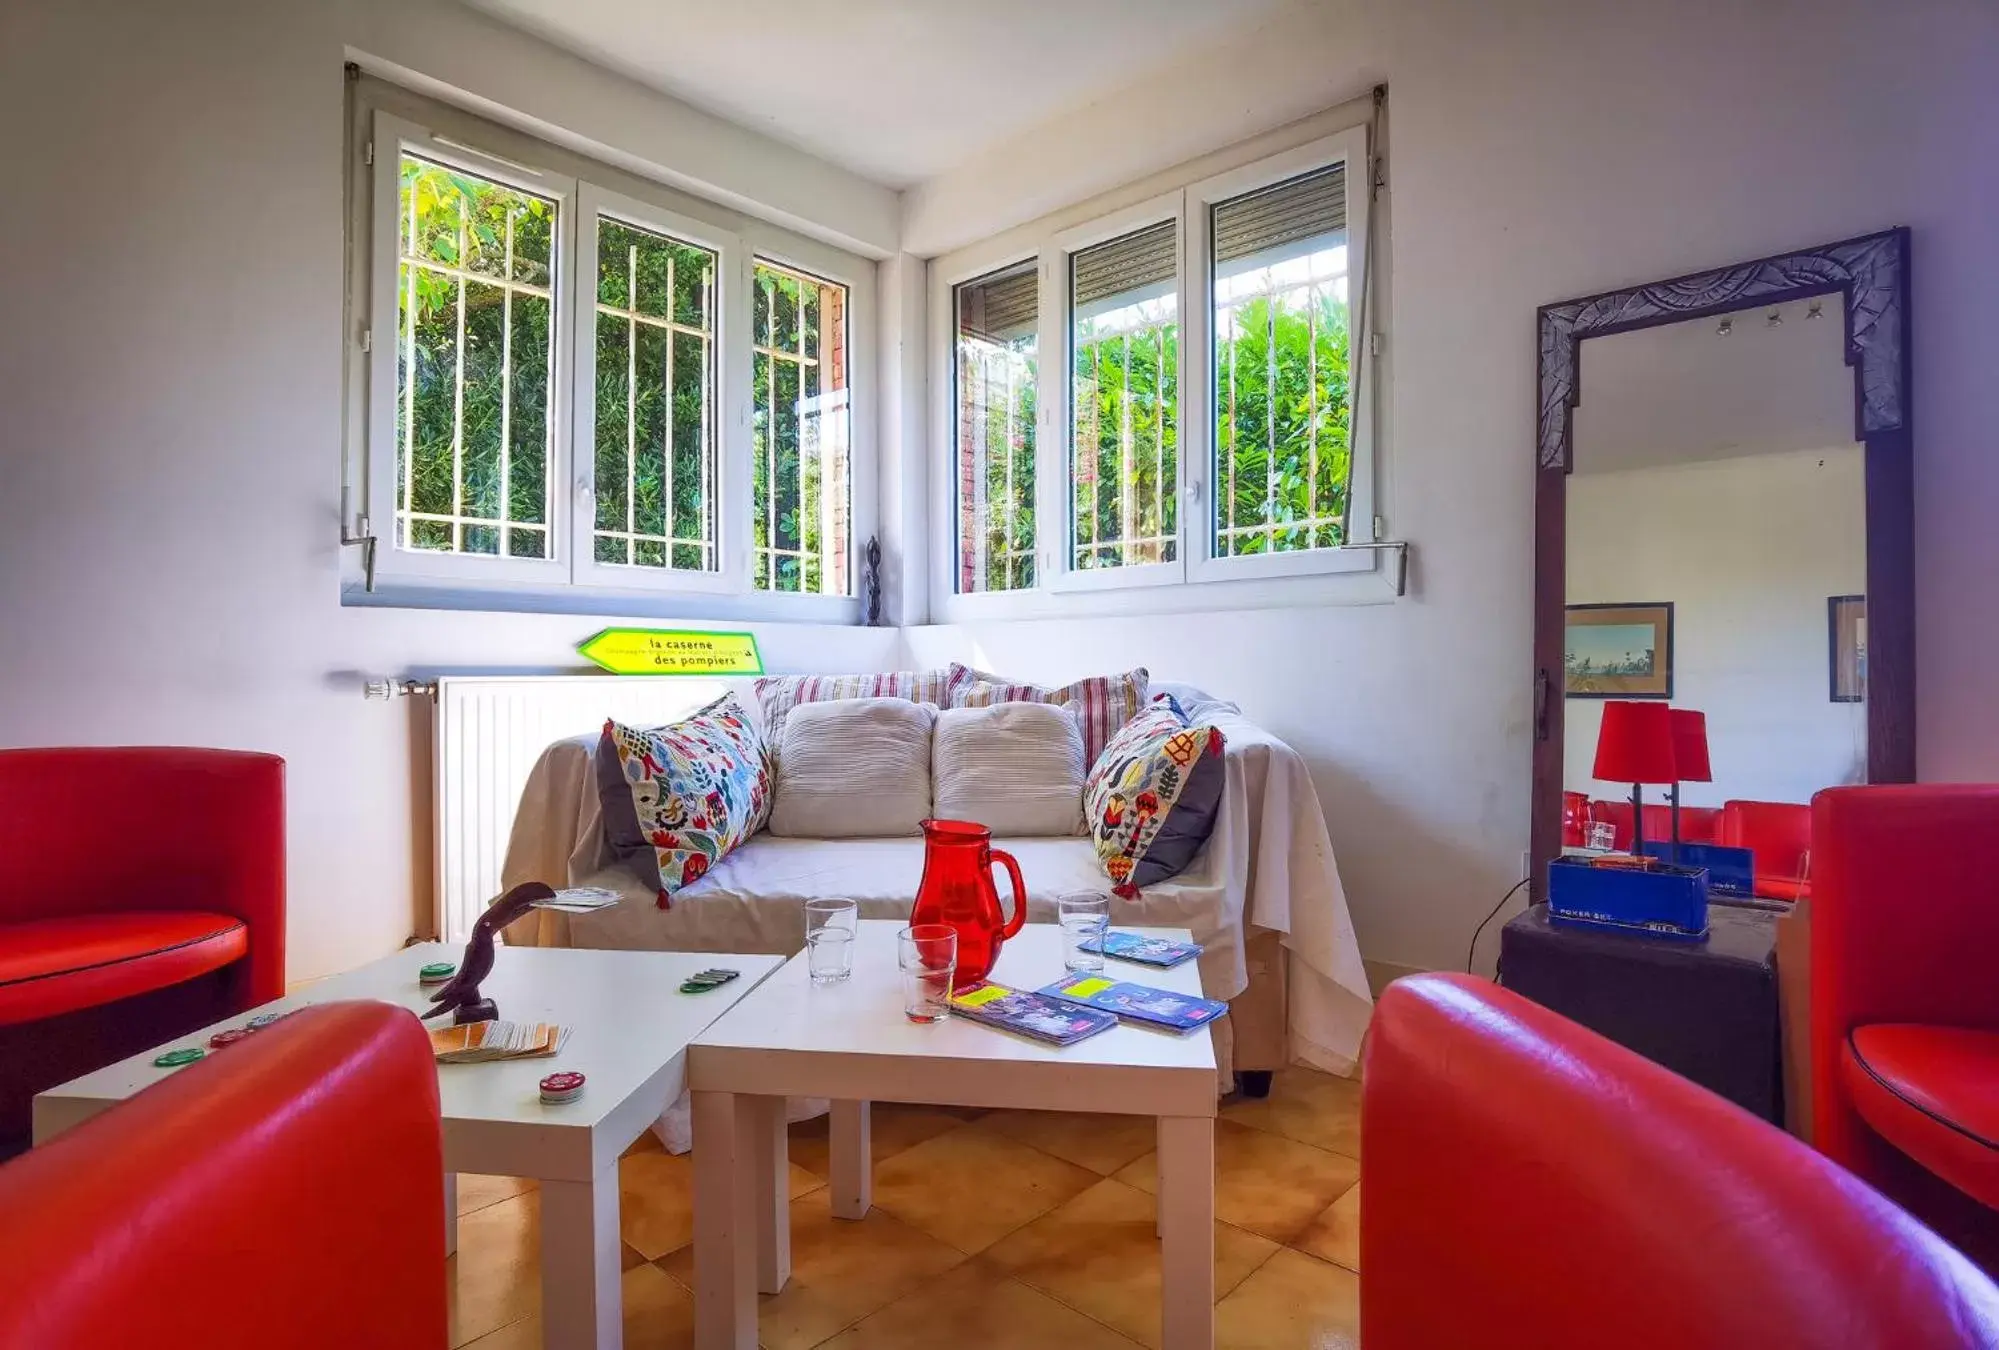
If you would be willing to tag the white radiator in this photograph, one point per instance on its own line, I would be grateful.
(490, 731)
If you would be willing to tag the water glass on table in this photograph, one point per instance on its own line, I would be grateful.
(1085, 917)
(928, 955)
(829, 939)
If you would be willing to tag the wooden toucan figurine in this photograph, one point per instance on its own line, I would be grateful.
(461, 996)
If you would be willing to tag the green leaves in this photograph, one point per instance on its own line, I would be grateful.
(473, 361)
(1282, 422)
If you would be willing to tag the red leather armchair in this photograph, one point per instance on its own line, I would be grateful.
(1780, 835)
(1698, 824)
(1575, 819)
(1526, 1183)
(142, 895)
(287, 1191)
(1904, 1017)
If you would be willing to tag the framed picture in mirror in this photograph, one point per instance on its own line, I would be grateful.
(1846, 636)
(1618, 651)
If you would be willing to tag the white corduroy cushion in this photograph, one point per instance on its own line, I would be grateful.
(853, 768)
(1016, 768)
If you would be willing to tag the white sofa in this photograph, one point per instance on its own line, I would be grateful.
(1263, 897)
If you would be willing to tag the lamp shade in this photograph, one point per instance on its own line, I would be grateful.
(1635, 743)
(1690, 746)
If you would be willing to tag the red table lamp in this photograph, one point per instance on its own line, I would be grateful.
(1635, 745)
(1689, 760)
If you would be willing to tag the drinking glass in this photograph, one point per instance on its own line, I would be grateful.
(1603, 836)
(829, 939)
(1085, 917)
(928, 955)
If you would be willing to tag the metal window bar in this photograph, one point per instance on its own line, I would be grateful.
(631, 536)
(994, 379)
(822, 446)
(458, 519)
(1131, 544)
(1320, 281)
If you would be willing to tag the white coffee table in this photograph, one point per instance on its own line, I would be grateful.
(629, 1031)
(850, 1042)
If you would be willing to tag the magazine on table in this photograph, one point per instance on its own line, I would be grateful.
(1147, 951)
(1054, 1020)
(1139, 1003)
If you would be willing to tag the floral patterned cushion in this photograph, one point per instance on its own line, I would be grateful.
(1102, 703)
(1152, 797)
(678, 798)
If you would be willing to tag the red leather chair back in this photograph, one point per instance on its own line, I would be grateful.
(1904, 926)
(1575, 819)
(1527, 1183)
(94, 829)
(1698, 825)
(1778, 833)
(1617, 815)
(287, 1191)
(1658, 822)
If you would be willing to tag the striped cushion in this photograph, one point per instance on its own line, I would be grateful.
(1102, 704)
(1015, 768)
(854, 769)
(777, 695)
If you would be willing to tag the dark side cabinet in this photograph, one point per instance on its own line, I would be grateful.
(1706, 1010)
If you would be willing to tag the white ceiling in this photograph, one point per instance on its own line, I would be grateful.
(896, 90)
(1686, 392)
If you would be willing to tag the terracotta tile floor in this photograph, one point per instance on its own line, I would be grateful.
(1035, 1227)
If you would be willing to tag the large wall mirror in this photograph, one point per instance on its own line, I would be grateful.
(1723, 525)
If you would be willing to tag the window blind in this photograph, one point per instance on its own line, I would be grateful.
(1130, 263)
(1309, 206)
(1001, 307)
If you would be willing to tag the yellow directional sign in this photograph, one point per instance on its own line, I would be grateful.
(673, 651)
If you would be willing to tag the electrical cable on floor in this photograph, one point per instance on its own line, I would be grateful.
(1471, 951)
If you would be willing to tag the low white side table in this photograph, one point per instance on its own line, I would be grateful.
(850, 1042)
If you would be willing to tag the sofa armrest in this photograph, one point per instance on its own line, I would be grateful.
(105, 828)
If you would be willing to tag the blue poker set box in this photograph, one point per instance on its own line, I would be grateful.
(1669, 901)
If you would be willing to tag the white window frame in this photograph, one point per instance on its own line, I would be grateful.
(971, 265)
(393, 135)
(1198, 579)
(1197, 335)
(761, 243)
(571, 580)
(1058, 556)
(732, 385)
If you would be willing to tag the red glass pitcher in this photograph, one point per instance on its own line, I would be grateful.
(957, 889)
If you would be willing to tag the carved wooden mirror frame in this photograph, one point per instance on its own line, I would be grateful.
(1872, 274)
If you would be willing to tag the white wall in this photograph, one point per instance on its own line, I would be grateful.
(1540, 150)
(1747, 550)
(170, 328)
(169, 373)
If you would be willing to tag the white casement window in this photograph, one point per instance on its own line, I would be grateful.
(1201, 421)
(801, 432)
(592, 395)
(995, 374)
(649, 396)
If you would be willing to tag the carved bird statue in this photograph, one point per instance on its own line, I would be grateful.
(461, 996)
